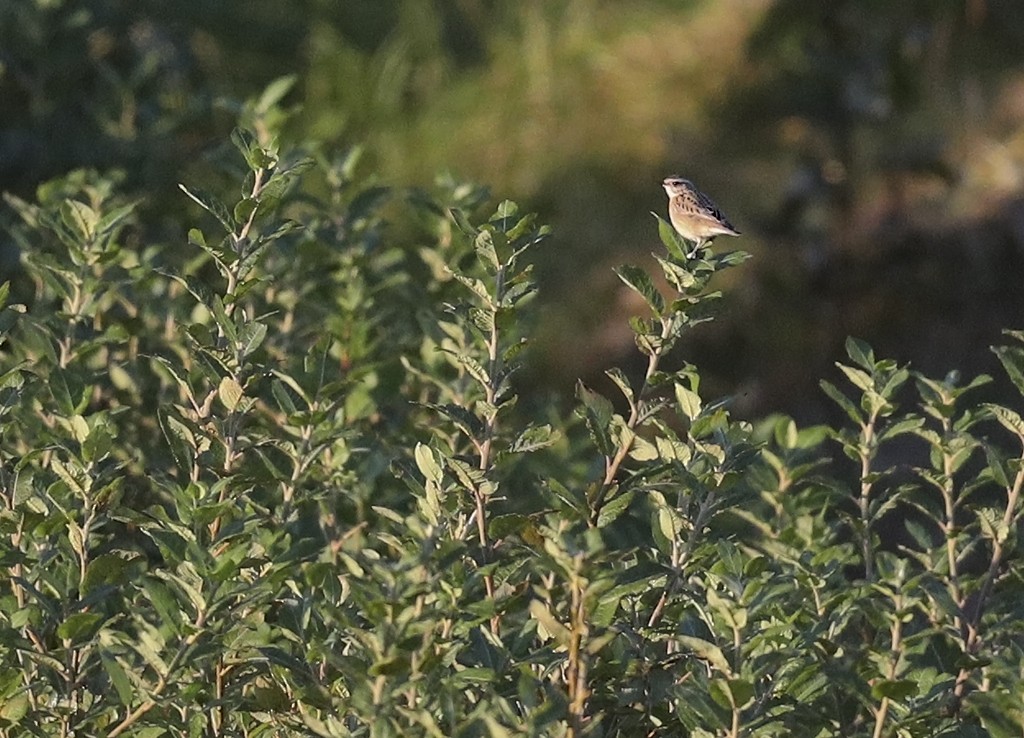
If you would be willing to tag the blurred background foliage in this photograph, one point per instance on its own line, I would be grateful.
(871, 151)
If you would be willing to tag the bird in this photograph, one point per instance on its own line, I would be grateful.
(694, 216)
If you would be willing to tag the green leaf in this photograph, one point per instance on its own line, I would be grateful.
(113, 219)
(27, 211)
(559, 496)
(428, 464)
(992, 525)
(68, 391)
(394, 666)
(671, 449)
(840, 399)
(616, 375)
(515, 294)
(1012, 359)
(274, 92)
(502, 526)
(463, 222)
(14, 708)
(119, 678)
(640, 282)
(861, 353)
(666, 527)
(465, 420)
(485, 249)
(507, 210)
(472, 367)
(196, 238)
(244, 208)
(614, 508)
(230, 392)
(75, 535)
(907, 425)
(251, 336)
(859, 378)
(164, 602)
(732, 613)
(227, 325)
(742, 692)
(894, 382)
(78, 625)
(471, 478)
(79, 428)
(179, 438)
(636, 581)
(689, 402)
(284, 400)
(894, 689)
(72, 477)
(677, 275)
(106, 568)
(255, 156)
(475, 285)
(80, 219)
(732, 258)
(533, 438)
(1010, 420)
(98, 443)
(473, 675)
(211, 204)
(549, 624)
(718, 690)
(998, 467)
(597, 414)
(522, 227)
(673, 242)
(705, 650)
(187, 581)
(251, 254)
(195, 287)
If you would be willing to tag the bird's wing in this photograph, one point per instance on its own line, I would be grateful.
(711, 210)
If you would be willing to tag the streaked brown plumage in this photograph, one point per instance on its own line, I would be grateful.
(694, 216)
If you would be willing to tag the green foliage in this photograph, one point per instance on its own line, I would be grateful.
(274, 477)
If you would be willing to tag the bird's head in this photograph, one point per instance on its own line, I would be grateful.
(676, 185)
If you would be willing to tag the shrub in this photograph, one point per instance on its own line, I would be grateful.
(277, 478)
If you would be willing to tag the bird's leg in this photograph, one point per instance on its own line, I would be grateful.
(697, 246)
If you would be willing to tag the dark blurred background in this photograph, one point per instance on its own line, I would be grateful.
(871, 151)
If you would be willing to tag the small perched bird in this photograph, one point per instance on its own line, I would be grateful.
(693, 215)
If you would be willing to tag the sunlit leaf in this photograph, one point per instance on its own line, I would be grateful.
(230, 392)
(640, 282)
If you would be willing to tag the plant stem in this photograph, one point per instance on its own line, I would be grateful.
(895, 644)
(576, 676)
(867, 452)
(679, 559)
(949, 530)
(612, 464)
(973, 641)
(162, 682)
(494, 368)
